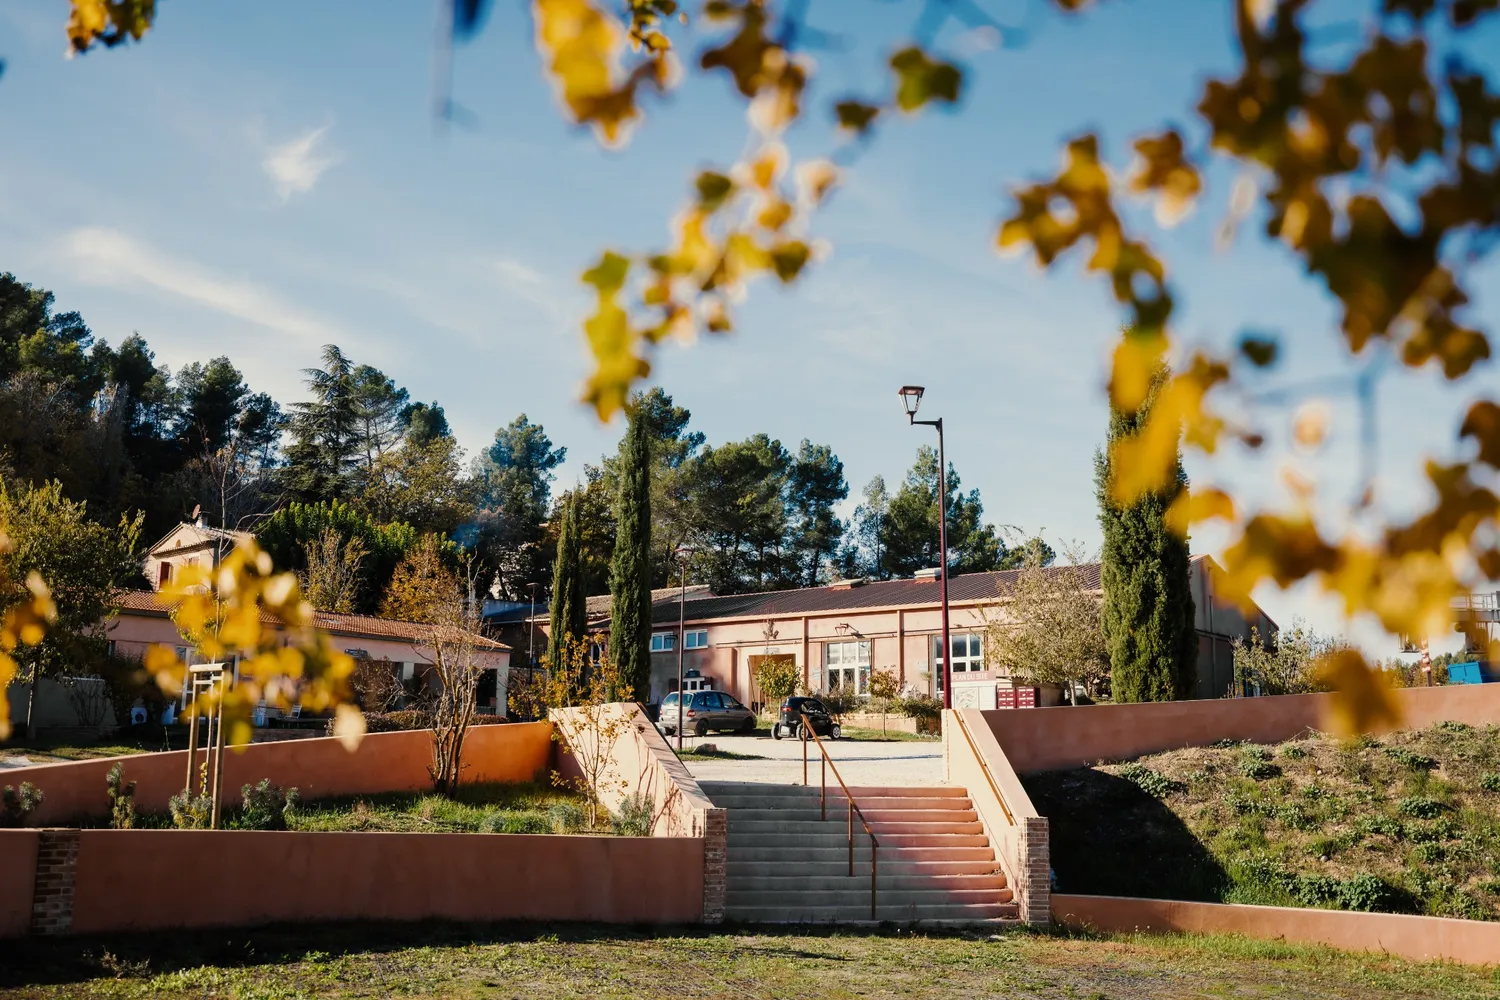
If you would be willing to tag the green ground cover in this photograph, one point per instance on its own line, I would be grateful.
(1406, 823)
(535, 963)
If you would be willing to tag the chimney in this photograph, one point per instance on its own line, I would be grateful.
(933, 573)
(848, 584)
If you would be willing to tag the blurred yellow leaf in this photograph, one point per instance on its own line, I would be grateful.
(108, 22)
(1361, 700)
(1310, 423)
(921, 79)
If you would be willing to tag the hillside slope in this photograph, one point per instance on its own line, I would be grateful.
(1407, 823)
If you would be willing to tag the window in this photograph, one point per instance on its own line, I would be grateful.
(968, 653)
(695, 640)
(848, 666)
(663, 642)
(706, 701)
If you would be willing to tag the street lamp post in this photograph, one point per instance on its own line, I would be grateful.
(683, 553)
(911, 398)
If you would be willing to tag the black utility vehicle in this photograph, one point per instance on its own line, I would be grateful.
(789, 721)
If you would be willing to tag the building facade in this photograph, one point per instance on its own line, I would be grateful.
(838, 634)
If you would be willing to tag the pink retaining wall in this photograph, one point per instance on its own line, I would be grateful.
(317, 768)
(138, 880)
(1473, 942)
(1043, 739)
(17, 879)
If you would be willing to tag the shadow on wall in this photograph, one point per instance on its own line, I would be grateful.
(1111, 838)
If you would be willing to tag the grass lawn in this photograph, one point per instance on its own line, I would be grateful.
(534, 962)
(1407, 823)
(119, 745)
(886, 736)
(709, 751)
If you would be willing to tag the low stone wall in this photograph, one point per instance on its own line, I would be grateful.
(1045, 739)
(973, 760)
(891, 722)
(642, 763)
(107, 881)
(318, 768)
(1473, 942)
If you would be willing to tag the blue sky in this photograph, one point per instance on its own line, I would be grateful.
(257, 180)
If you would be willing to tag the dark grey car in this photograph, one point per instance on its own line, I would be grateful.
(705, 712)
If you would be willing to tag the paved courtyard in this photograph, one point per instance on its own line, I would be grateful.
(860, 763)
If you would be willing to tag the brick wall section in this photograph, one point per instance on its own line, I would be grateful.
(56, 876)
(1035, 892)
(715, 861)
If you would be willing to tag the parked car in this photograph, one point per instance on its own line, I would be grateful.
(705, 711)
(789, 721)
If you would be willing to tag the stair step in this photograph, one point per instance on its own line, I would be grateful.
(754, 790)
(737, 869)
(740, 825)
(803, 914)
(840, 881)
(737, 898)
(798, 842)
(813, 855)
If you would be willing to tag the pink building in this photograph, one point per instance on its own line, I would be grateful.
(144, 621)
(838, 633)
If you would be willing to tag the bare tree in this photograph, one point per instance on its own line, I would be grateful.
(376, 684)
(331, 581)
(580, 691)
(425, 591)
(1049, 630)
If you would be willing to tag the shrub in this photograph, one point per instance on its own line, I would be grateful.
(17, 804)
(511, 822)
(266, 807)
(1258, 770)
(635, 816)
(190, 812)
(1420, 807)
(1226, 744)
(1293, 752)
(1369, 893)
(1408, 759)
(1457, 728)
(392, 722)
(1429, 853)
(777, 678)
(1294, 816)
(1490, 782)
(565, 817)
(1151, 782)
(1256, 753)
(1381, 824)
(919, 707)
(121, 798)
(1313, 793)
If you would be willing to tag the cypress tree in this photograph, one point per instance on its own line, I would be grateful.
(1148, 599)
(569, 614)
(630, 568)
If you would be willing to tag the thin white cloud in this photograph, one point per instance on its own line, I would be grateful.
(109, 257)
(532, 286)
(296, 166)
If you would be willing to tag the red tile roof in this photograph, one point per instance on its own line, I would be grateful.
(963, 589)
(360, 626)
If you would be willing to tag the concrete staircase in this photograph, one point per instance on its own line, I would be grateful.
(786, 865)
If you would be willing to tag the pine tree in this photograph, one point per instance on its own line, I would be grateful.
(569, 617)
(1148, 598)
(630, 569)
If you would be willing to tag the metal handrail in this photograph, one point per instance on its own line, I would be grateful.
(853, 809)
(963, 727)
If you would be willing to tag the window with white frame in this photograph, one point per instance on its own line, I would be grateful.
(695, 640)
(848, 665)
(663, 642)
(968, 652)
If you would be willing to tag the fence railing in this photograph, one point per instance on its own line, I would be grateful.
(853, 809)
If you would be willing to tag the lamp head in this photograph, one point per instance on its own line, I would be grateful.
(911, 398)
(683, 553)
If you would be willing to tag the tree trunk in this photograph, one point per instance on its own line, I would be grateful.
(36, 680)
